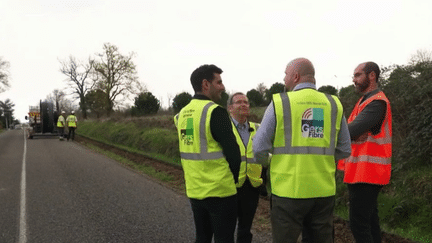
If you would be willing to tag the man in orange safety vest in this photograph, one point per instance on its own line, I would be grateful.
(368, 168)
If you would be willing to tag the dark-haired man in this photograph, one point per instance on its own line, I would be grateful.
(210, 158)
(368, 168)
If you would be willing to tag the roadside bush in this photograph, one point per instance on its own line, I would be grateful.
(255, 98)
(145, 103)
(328, 89)
(274, 89)
(180, 101)
(409, 89)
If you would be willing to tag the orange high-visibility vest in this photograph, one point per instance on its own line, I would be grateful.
(370, 160)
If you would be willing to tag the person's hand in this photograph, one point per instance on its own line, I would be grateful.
(262, 190)
(362, 138)
(264, 175)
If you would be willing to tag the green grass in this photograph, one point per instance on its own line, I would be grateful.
(137, 167)
(404, 206)
(158, 143)
(407, 207)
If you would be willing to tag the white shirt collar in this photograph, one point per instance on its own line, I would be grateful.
(236, 123)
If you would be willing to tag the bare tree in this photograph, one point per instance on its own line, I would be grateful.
(261, 88)
(421, 56)
(4, 75)
(79, 80)
(58, 98)
(116, 75)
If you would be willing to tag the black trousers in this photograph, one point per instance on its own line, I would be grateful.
(215, 216)
(363, 212)
(248, 197)
(307, 233)
(71, 133)
(61, 132)
(288, 216)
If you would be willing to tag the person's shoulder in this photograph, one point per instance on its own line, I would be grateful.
(219, 114)
(220, 110)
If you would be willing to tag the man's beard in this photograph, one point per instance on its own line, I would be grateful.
(360, 88)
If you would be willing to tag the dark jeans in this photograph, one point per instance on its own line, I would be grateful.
(215, 216)
(363, 212)
(61, 132)
(71, 133)
(288, 216)
(247, 197)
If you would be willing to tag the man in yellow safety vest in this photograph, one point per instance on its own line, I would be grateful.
(210, 158)
(250, 182)
(71, 121)
(61, 125)
(306, 132)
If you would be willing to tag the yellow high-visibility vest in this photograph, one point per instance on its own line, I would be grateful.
(207, 172)
(247, 169)
(60, 121)
(303, 164)
(71, 121)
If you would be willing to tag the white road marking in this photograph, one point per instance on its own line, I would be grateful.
(23, 218)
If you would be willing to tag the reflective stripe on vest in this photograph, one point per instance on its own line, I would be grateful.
(207, 172)
(176, 120)
(247, 169)
(204, 155)
(288, 149)
(370, 160)
(303, 165)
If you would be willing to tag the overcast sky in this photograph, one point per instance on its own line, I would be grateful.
(252, 41)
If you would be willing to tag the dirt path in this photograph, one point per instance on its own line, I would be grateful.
(262, 217)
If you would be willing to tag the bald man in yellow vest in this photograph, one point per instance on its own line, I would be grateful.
(306, 132)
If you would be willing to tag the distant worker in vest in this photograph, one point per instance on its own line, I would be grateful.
(210, 158)
(71, 121)
(368, 168)
(250, 182)
(306, 132)
(61, 125)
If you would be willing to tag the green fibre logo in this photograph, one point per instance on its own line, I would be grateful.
(187, 133)
(313, 123)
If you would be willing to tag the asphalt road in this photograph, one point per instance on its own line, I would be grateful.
(72, 194)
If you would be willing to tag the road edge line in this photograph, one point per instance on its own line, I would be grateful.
(23, 219)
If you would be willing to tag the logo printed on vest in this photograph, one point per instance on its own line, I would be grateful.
(187, 134)
(313, 123)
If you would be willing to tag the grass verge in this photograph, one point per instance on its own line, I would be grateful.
(157, 143)
(148, 170)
